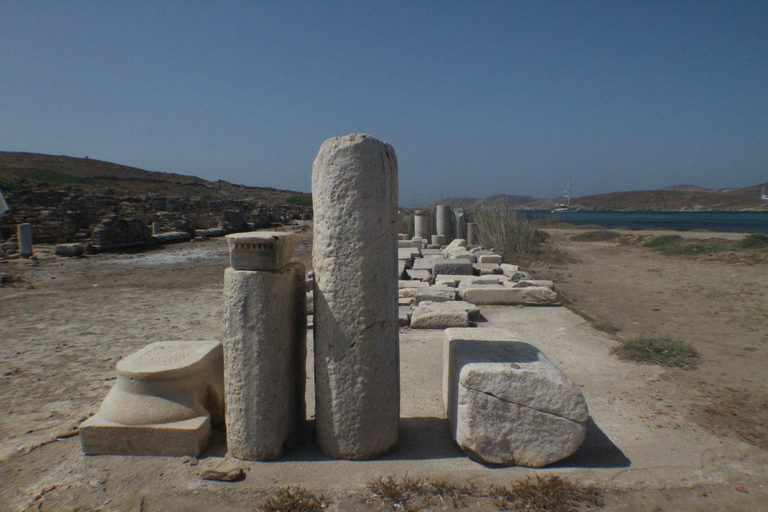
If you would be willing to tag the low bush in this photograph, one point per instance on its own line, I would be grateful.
(753, 241)
(662, 351)
(302, 200)
(663, 241)
(596, 236)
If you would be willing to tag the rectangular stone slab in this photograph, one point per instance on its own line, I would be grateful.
(102, 437)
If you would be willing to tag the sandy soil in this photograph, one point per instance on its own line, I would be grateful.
(661, 439)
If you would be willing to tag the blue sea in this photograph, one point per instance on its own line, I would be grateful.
(734, 222)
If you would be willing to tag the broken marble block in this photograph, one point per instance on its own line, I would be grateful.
(261, 250)
(483, 269)
(166, 398)
(452, 267)
(506, 402)
(441, 315)
(489, 258)
(418, 275)
(497, 294)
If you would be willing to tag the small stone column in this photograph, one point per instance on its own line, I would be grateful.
(421, 224)
(461, 223)
(444, 222)
(473, 235)
(264, 344)
(24, 234)
(357, 353)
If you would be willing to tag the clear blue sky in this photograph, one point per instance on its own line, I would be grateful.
(477, 98)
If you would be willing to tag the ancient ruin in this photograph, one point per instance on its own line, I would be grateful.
(357, 387)
(264, 345)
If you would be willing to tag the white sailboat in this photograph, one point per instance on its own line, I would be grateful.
(565, 206)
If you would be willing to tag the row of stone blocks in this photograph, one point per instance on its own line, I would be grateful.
(506, 403)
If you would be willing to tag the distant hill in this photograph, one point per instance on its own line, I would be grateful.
(674, 198)
(497, 201)
(89, 176)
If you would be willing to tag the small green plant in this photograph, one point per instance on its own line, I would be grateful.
(546, 494)
(302, 200)
(663, 351)
(8, 186)
(295, 499)
(55, 177)
(662, 241)
(753, 241)
(596, 236)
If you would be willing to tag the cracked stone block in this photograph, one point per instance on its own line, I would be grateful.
(164, 402)
(507, 403)
(261, 250)
(434, 294)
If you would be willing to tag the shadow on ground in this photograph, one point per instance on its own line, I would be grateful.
(426, 438)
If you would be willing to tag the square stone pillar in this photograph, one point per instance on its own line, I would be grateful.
(264, 345)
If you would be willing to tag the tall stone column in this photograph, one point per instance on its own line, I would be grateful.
(461, 223)
(421, 224)
(265, 329)
(357, 353)
(444, 222)
(24, 234)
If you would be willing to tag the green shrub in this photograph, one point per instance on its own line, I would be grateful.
(302, 200)
(662, 351)
(663, 241)
(753, 241)
(596, 236)
(9, 186)
(55, 177)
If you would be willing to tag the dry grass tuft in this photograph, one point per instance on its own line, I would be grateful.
(546, 494)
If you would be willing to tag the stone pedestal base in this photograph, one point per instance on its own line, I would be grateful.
(166, 398)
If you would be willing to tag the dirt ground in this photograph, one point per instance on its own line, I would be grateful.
(661, 439)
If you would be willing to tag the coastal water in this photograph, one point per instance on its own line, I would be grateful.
(735, 222)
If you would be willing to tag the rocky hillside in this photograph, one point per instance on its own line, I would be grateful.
(87, 176)
(674, 198)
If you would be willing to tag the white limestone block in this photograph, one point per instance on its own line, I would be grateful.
(357, 372)
(166, 397)
(489, 258)
(509, 270)
(261, 250)
(265, 323)
(505, 295)
(434, 294)
(526, 283)
(506, 402)
(441, 315)
(411, 284)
